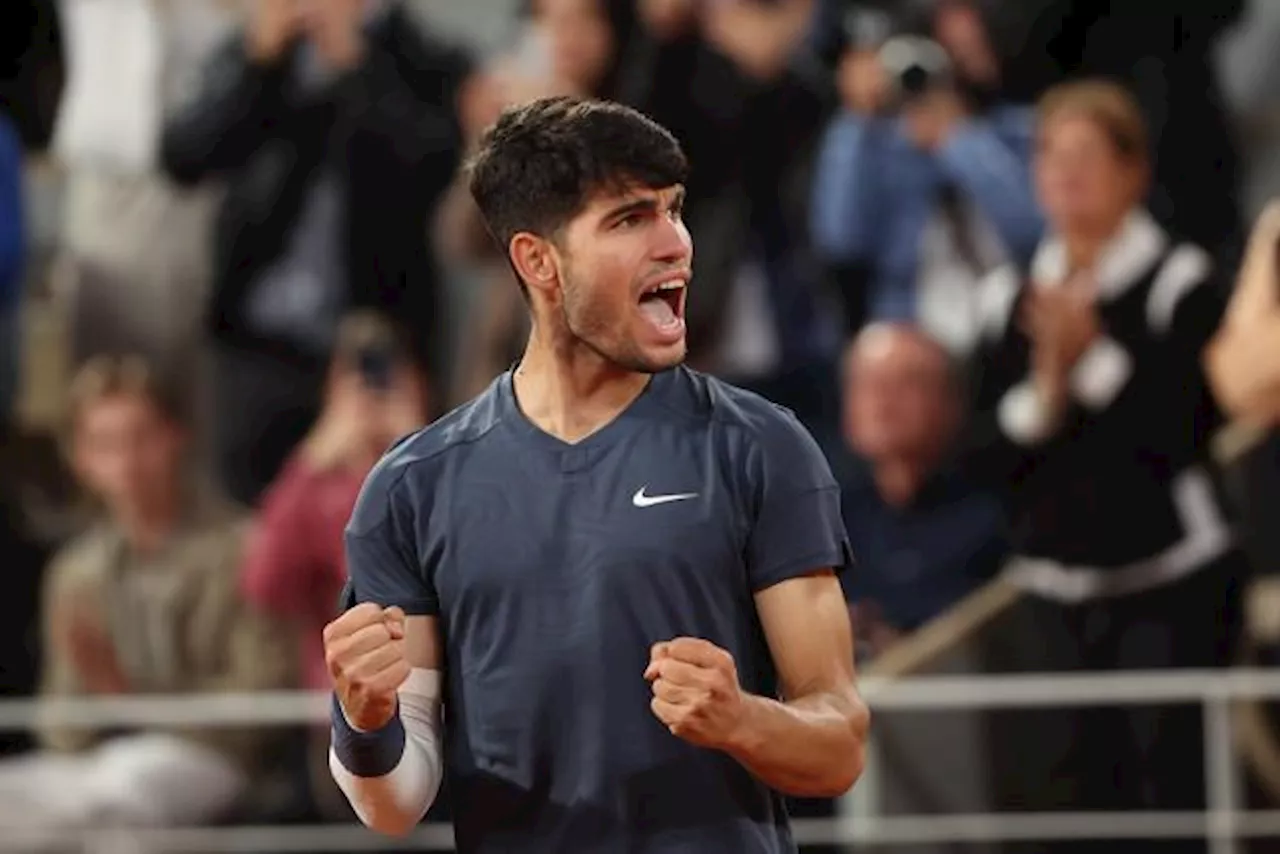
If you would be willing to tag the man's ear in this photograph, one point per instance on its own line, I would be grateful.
(534, 260)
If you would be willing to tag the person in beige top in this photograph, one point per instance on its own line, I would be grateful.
(145, 602)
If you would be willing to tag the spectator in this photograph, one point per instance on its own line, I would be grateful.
(924, 536)
(12, 247)
(732, 82)
(144, 603)
(338, 134)
(571, 47)
(1097, 430)
(1163, 55)
(930, 193)
(294, 567)
(129, 64)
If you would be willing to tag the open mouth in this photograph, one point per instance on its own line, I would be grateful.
(663, 304)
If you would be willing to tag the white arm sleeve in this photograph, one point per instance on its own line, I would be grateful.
(394, 803)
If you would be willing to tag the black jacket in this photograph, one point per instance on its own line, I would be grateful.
(1119, 498)
(388, 129)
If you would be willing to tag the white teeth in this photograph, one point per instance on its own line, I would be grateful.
(672, 285)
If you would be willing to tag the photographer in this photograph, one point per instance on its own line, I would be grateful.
(294, 566)
(335, 125)
(924, 177)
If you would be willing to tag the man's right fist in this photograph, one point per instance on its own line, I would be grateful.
(364, 649)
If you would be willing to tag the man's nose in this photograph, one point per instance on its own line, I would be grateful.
(672, 243)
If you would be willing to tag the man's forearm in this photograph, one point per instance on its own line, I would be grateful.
(391, 777)
(810, 747)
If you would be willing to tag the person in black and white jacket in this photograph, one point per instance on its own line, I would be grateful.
(1095, 417)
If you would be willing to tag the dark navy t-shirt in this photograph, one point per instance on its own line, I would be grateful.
(554, 567)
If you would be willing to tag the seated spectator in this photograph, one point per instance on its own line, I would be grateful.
(294, 566)
(146, 602)
(930, 191)
(924, 536)
(334, 124)
(1095, 418)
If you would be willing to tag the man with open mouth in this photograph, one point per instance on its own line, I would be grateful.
(617, 575)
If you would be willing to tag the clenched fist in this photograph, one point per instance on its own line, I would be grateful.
(696, 691)
(364, 649)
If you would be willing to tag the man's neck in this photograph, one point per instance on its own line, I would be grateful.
(570, 391)
(899, 481)
(147, 528)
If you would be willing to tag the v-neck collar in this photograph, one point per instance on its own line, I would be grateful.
(574, 455)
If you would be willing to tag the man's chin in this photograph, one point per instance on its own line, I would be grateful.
(658, 359)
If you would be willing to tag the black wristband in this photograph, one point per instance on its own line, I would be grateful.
(367, 754)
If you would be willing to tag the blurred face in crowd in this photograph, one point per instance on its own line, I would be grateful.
(579, 38)
(899, 400)
(623, 266)
(1085, 184)
(127, 452)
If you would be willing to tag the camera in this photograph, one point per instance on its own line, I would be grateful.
(371, 347)
(915, 66)
(376, 365)
(913, 63)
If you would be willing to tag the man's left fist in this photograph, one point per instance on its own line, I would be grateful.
(696, 692)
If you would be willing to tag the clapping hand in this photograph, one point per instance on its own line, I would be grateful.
(1061, 322)
(336, 29)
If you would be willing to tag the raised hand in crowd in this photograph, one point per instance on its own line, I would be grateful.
(359, 422)
(335, 28)
(959, 28)
(759, 37)
(668, 19)
(862, 82)
(1243, 360)
(274, 26)
(1061, 322)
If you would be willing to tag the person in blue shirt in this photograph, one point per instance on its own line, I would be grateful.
(12, 251)
(927, 192)
(618, 576)
(925, 536)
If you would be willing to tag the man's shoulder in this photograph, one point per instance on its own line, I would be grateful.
(84, 557)
(727, 404)
(756, 426)
(413, 463)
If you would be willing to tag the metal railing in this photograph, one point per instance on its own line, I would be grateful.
(1223, 823)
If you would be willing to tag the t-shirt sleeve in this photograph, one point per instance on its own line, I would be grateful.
(383, 564)
(797, 526)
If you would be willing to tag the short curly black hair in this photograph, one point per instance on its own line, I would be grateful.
(541, 163)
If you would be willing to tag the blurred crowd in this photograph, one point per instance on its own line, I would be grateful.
(991, 252)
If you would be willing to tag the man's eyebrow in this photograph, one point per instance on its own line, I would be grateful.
(646, 205)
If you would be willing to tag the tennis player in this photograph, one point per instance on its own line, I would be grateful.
(615, 575)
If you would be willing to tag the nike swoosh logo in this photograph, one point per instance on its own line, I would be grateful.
(642, 500)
